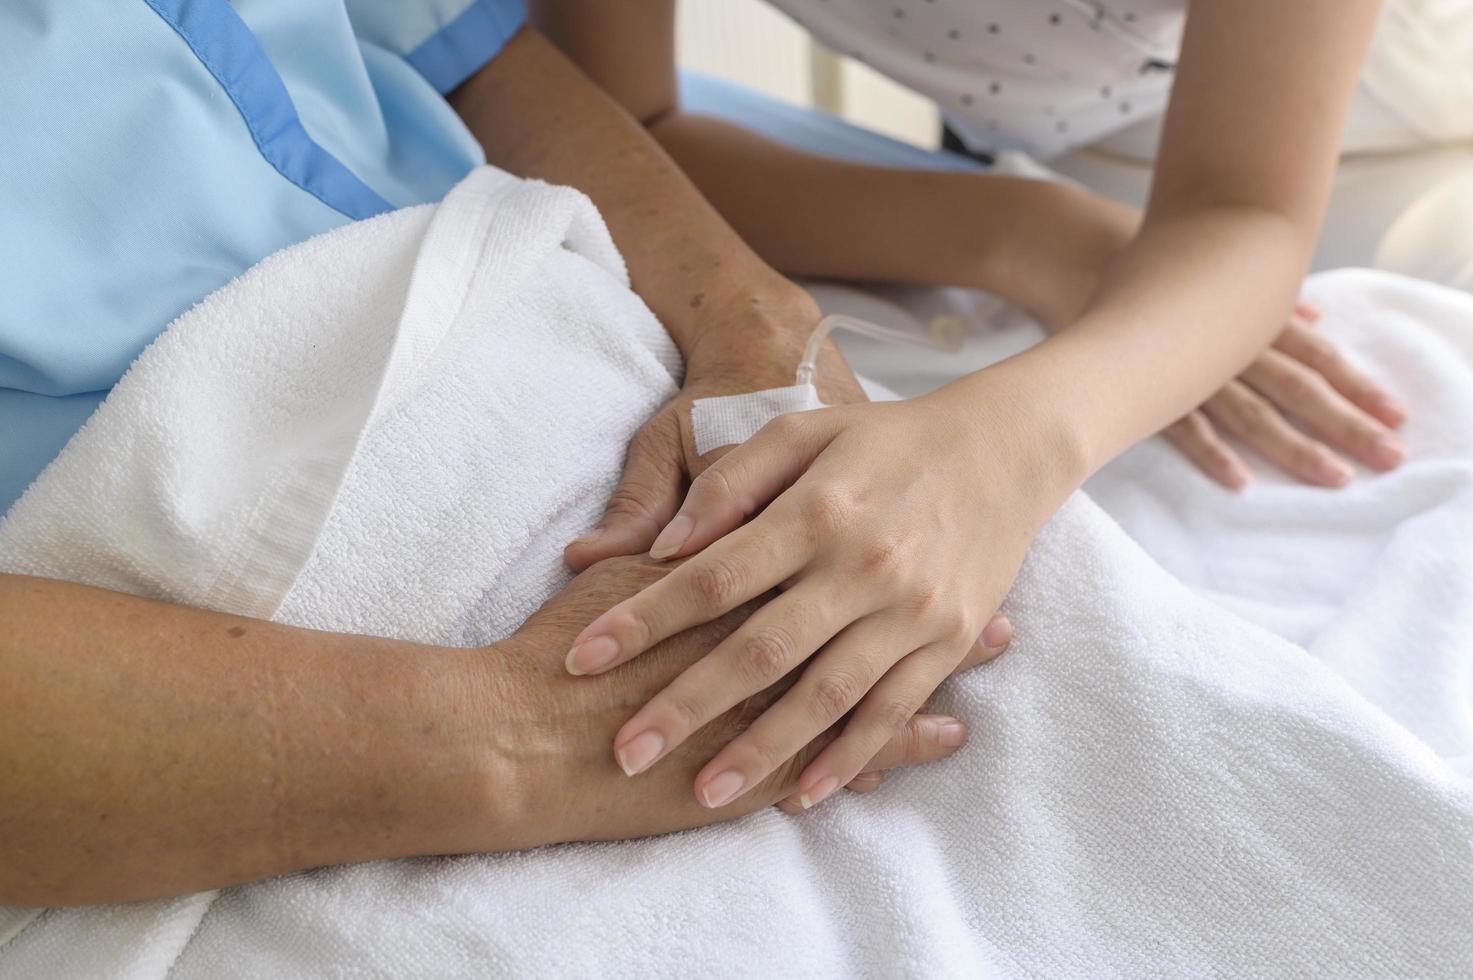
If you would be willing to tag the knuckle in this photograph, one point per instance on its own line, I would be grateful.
(785, 772)
(880, 556)
(631, 623)
(714, 484)
(630, 500)
(783, 427)
(1300, 387)
(1194, 426)
(1255, 417)
(1308, 460)
(716, 582)
(1313, 350)
(925, 602)
(916, 741)
(684, 713)
(1366, 438)
(652, 443)
(966, 628)
(767, 653)
(829, 510)
(1179, 433)
(893, 715)
(833, 695)
(767, 755)
(638, 627)
(1214, 455)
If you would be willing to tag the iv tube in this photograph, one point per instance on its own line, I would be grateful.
(948, 342)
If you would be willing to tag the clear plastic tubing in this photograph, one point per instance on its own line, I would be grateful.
(950, 342)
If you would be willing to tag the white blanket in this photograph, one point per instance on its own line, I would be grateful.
(394, 428)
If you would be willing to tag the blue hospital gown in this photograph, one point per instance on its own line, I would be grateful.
(151, 150)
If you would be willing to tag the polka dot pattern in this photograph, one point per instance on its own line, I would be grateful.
(1038, 75)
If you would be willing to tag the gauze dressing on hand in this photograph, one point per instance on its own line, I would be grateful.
(733, 419)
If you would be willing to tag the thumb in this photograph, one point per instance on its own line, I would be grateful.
(644, 501)
(745, 480)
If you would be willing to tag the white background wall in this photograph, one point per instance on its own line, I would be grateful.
(752, 43)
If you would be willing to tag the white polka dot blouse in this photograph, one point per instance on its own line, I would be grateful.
(1043, 76)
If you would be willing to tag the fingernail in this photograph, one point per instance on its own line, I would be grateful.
(593, 654)
(818, 793)
(998, 634)
(1310, 311)
(590, 537)
(953, 735)
(669, 540)
(1388, 451)
(636, 754)
(723, 789)
(1232, 474)
(1334, 472)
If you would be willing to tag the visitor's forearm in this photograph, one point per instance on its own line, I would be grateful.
(1037, 244)
(148, 749)
(1248, 152)
(538, 116)
(1185, 308)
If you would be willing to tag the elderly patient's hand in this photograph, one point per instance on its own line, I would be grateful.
(555, 731)
(662, 456)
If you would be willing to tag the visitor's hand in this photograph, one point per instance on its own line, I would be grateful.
(662, 459)
(894, 530)
(553, 733)
(1304, 378)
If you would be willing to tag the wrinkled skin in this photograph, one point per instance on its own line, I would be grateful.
(556, 733)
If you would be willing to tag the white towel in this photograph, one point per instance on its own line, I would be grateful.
(1154, 785)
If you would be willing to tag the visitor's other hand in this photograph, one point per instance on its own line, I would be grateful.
(1303, 378)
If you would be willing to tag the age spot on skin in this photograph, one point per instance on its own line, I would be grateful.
(236, 632)
(697, 300)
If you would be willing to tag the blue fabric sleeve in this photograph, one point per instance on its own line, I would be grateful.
(446, 41)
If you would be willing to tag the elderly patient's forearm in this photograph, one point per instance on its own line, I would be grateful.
(538, 116)
(148, 749)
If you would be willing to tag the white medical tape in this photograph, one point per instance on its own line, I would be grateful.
(733, 419)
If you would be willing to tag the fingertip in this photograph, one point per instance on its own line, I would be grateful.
(818, 790)
(935, 737)
(592, 656)
(608, 541)
(1227, 472)
(577, 554)
(998, 634)
(672, 538)
(1386, 452)
(951, 734)
(720, 789)
(1389, 410)
(1309, 310)
(1333, 472)
(638, 753)
(790, 806)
